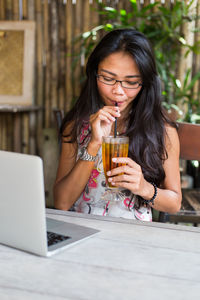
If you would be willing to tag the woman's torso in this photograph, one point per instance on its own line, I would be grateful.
(91, 201)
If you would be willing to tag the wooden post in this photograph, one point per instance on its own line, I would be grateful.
(196, 58)
(62, 55)
(68, 52)
(25, 116)
(76, 48)
(9, 132)
(9, 13)
(2, 10)
(31, 9)
(47, 56)
(39, 65)
(15, 10)
(25, 133)
(24, 10)
(54, 54)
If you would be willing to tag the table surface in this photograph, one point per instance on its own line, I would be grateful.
(127, 259)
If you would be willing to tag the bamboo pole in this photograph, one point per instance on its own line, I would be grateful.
(31, 9)
(25, 116)
(120, 5)
(32, 124)
(62, 55)
(54, 54)
(25, 133)
(94, 17)
(2, 10)
(24, 10)
(190, 36)
(47, 73)
(196, 58)
(86, 25)
(69, 51)
(39, 66)
(77, 32)
(86, 14)
(127, 6)
(33, 135)
(9, 132)
(15, 10)
(4, 132)
(9, 5)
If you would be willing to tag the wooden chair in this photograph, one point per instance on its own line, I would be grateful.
(189, 136)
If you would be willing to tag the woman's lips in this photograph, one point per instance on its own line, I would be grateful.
(119, 103)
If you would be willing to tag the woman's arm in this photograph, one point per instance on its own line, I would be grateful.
(72, 175)
(169, 196)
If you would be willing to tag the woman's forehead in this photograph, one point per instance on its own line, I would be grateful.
(119, 63)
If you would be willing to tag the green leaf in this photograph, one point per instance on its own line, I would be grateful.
(123, 12)
(182, 41)
(108, 26)
(186, 78)
(85, 35)
(194, 79)
(110, 9)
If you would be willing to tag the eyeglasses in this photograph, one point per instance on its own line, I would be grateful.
(127, 84)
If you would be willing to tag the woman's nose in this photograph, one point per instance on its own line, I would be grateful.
(117, 88)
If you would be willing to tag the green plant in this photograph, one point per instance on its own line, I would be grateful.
(186, 98)
(162, 26)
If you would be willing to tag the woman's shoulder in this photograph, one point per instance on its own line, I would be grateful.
(171, 129)
(67, 131)
(172, 139)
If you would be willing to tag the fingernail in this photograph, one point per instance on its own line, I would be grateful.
(109, 179)
(108, 173)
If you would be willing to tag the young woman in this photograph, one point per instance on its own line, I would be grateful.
(122, 70)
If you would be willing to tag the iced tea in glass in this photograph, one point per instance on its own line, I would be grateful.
(113, 147)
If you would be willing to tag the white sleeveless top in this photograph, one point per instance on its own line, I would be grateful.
(91, 201)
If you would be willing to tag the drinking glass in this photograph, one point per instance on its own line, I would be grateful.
(113, 147)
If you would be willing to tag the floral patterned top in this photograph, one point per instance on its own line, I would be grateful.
(91, 201)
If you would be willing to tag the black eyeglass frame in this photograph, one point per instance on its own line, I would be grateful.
(121, 82)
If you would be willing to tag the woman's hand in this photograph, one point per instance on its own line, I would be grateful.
(101, 123)
(130, 177)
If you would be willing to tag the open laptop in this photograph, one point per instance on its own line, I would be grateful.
(23, 223)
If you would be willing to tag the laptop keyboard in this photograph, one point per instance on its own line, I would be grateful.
(54, 238)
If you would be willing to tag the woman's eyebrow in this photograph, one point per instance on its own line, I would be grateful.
(113, 74)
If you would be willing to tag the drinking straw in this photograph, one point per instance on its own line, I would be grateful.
(115, 128)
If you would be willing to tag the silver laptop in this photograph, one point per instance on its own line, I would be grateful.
(23, 223)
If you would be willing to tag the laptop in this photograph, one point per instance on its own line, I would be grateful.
(23, 222)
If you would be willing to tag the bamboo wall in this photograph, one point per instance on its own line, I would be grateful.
(57, 23)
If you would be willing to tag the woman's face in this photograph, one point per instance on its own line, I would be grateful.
(119, 66)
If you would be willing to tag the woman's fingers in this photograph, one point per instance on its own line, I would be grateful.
(128, 166)
(127, 176)
(110, 112)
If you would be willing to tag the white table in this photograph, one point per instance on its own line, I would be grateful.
(125, 260)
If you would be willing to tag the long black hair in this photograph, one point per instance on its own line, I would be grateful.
(146, 121)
